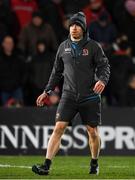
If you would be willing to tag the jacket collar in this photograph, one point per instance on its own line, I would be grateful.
(80, 45)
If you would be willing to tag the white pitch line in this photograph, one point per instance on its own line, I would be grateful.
(29, 167)
(115, 166)
(14, 166)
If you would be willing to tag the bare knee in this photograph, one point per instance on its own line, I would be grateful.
(59, 129)
(92, 132)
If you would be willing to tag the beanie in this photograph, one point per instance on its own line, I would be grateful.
(80, 19)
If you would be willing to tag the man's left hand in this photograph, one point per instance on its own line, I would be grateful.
(99, 87)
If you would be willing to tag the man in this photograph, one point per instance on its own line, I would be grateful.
(11, 73)
(36, 30)
(86, 72)
(93, 10)
(40, 69)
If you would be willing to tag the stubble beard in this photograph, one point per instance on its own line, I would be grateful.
(76, 38)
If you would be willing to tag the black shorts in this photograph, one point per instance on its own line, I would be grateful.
(89, 109)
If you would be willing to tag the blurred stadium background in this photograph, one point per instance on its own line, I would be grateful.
(30, 33)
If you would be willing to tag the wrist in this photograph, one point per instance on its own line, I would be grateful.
(47, 92)
(102, 82)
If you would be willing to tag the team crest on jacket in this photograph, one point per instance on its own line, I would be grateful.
(85, 52)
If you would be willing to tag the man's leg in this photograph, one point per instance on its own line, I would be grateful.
(66, 110)
(90, 112)
(95, 144)
(52, 149)
(94, 141)
(55, 139)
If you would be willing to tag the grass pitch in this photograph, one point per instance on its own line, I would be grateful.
(67, 167)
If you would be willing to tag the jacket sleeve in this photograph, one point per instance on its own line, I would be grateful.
(102, 65)
(57, 73)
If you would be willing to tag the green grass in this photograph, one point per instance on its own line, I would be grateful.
(69, 167)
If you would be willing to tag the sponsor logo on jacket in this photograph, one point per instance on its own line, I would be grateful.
(67, 50)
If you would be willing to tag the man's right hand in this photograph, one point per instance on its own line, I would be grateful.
(41, 99)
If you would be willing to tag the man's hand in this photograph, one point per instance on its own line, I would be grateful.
(99, 87)
(41, 98)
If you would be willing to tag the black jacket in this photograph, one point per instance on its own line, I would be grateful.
(11, 71)
(121, 68)
(40, 69)
(81, 67)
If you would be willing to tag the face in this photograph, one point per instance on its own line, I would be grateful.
(132, 83)
(37, 21)
(41, 47)
(103, 23)
(8, 44)
(76, 31)
(95, 5)
(66, 24)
